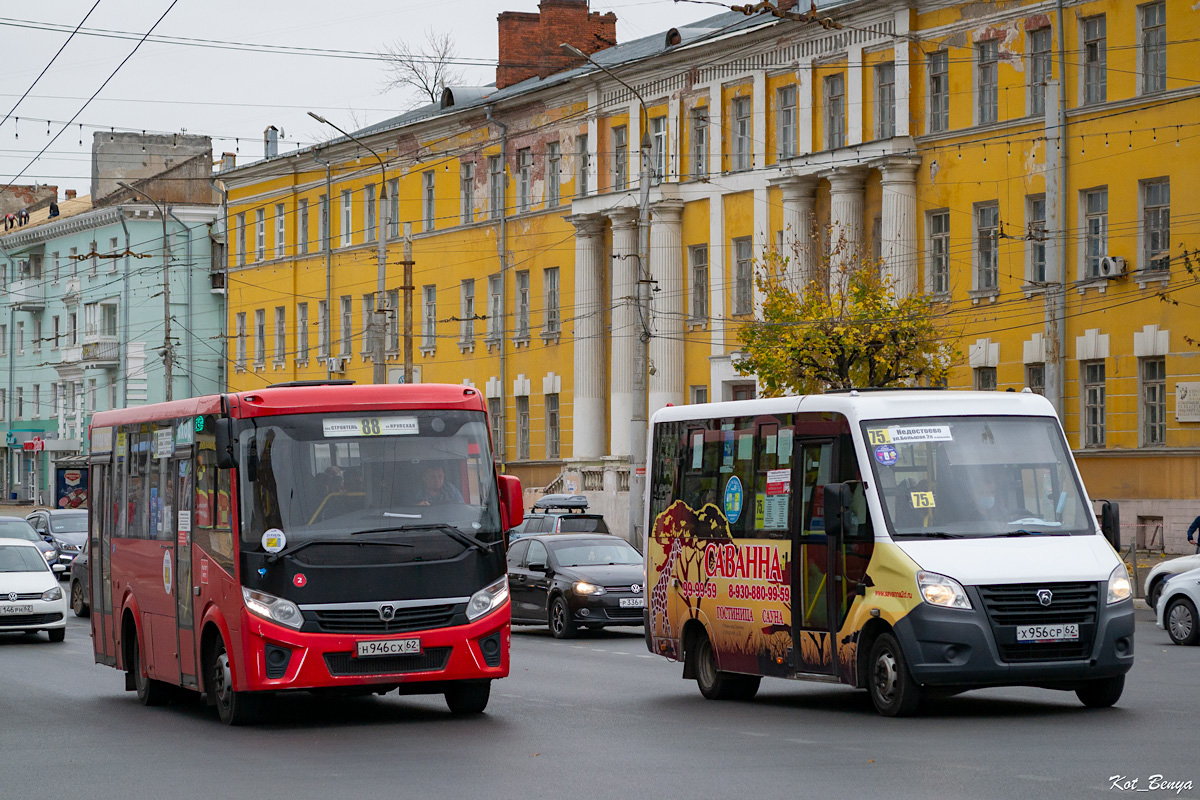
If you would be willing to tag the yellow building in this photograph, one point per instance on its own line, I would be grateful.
(1021, 162)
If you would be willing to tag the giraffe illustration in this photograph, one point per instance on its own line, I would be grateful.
(658, 595)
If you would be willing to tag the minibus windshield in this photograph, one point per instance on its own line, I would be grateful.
(970, 477)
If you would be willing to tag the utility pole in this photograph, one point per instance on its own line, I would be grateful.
(408, 304)
(168, 354)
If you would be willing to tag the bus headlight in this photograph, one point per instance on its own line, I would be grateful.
(938, 590)
(488, 599)
(276, 609)
(1118, 585)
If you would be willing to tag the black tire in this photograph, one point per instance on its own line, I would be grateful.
(1102, 692)
(561, 623)
(1181, 622)
(1156, 592)
(894, 691)
(469, 698)
(77, 603)
(233, 708)
(715, 684)
(149, 691)
(58, 635)
(746, 687)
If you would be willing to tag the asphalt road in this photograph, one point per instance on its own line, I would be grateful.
(591, 718)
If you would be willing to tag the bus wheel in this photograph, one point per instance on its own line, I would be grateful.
(714, 684)
(234, 708)
(893, 690)
(561, 624)
(469, 698)
(1102, 692)
(149, 691)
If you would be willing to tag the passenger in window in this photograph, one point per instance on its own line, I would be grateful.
(435, 490)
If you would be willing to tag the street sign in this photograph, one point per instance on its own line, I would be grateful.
(35, 445)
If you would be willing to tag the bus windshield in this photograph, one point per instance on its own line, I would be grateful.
(330, 477)
(975, 477)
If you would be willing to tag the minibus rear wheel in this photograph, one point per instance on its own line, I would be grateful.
(894, 691)
(717, 685)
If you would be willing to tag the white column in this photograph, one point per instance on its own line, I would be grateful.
(588, 411)
(666, 269)
(799, 220)
(593, 129)
(804, 98)
(758, 119)
(899, 246)
(846, 215)
(854, 95)
(624, 328)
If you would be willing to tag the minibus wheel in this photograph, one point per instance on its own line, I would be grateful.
(149, 691)
(1100, 693)
(233, 708)
(894, 691)
(469, 697)
(717, 685)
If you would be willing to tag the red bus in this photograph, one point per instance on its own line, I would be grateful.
(311, 536)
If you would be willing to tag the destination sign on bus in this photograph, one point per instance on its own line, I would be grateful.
(370, 426)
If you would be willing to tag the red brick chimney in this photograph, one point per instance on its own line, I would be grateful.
(70, 194)
(529, 43)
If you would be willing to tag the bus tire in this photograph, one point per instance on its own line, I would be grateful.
(149, 691)
(894, 691)
(469, 697)
(1102, 692)
(713, 684)
(233, 708)
(561, 624)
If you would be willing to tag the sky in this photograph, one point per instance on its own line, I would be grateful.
(232, 95)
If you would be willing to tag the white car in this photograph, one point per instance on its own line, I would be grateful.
(1176, 609)
(30, 598)
(1165, 570)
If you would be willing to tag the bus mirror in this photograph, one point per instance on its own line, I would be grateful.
(223, 428)
(512, 508)
(838, 497)
(1110, 523)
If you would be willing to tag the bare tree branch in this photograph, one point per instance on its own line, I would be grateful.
(427, 69)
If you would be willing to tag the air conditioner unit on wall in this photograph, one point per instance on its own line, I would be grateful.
(1112, 266)
(337, 364)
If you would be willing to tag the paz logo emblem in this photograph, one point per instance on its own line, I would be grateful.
(1045, 596)
(636, 588)
(12, 597)
(387, 613)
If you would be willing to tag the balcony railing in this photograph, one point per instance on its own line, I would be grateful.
(27, 293)
(101, 353)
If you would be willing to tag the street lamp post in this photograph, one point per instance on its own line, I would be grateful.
(168, 352)
(378, 323)
(641, 346)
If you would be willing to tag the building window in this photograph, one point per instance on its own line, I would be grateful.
(700, 142)
(369, 212)
(37, 333)
(885, 101)
(1154, 47)
(324, 337)
(698, 394)
(552, 426)
(939, 91)
(835, 111)
(260, 337)
(584, 162)
(658, 149)
(21, 328)
(3, 340)
(280, 231)
(1095, 60)
(986, 91)
(494, 409)
(108, 321)
(302, 333)
(524, 180)
(1095, 229)
(553, 165)
(985, 379)
(55, 335)
(620, 141)
(785, 122)
(280, 334)
(1035, 234)
(522, 426)
(466, 304)
(987, 226)
(743, 276)
(240, 333)
(113, 253)
(1039, 68)
(347, 324)
(94, 261)
(323, 222)
(429, 317)
(1093, 403)
(551, 301)
(393, 189)
(466, 193)
(72, 328)
(743, 134)
(522, 326)
(368, 330)
(1035, 378)
(393, 321)
(1156, 224)
(699, 310)
(494, 317)
(260, 234)
(20, 402)
(302, 229)
(56, 266)
(430, 211)
(495, 187)
(1154, 401)
(347, 217)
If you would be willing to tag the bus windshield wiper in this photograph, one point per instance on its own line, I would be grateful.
(931, 535)
(273, 557)
(454, 533)
(1024, 532)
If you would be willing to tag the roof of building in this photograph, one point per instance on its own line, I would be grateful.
(66, 208)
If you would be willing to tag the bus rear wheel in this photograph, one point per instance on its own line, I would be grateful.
(894, 691)
(469, 698)
(233, 708)
(717, 685)
(149, 691)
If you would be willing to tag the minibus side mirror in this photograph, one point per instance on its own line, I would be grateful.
(223, 428)
(838, 497)
(512, 507)
(1110, 523)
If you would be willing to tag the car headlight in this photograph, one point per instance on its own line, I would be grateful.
(52, 594)
(276, 609)
(48, 554)
(1119, 587)
(487, 599)
(583, 587)
(938, 590)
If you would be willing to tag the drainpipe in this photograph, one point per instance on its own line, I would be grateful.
(122, 353)
(12, 343)
(188, 313)
(222, 365)
(502, 241)
(325, 224)
(1060, 400)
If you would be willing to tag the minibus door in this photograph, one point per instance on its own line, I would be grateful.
(813, 572)
(182, 475)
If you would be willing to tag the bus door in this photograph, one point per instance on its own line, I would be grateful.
(814, 573)
(103, 510)
(181, 472)
(157, 598)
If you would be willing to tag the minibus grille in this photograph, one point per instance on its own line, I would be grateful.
(1014, 604)
(418, 618)
(431, 660)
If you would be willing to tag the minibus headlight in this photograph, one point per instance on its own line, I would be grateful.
(583, 587)
(938, 590)
(52, 594)
(1118, 585)
(488, 599)
(276, 609)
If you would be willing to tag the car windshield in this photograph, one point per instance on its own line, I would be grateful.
(330, 476)
(574, 523)
(18, 529)
(21, 558)
(976, 477)
(69, 523)
(583, 554)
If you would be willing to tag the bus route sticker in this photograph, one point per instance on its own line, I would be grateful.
(923, 500)
(274, 540)
(886, 454)
(733, 499)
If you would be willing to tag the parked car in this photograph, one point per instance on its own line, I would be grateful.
(1176, 608)
(17, 528)
(559, 513)
(30, 598)
(573, 580)
(81, 598)
(65, 528)
(1165, 570)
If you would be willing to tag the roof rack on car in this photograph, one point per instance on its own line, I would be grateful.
(886, 389)
(572, 502)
